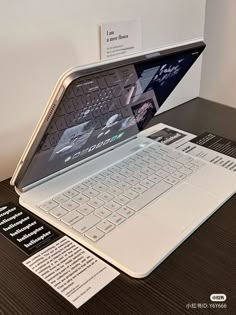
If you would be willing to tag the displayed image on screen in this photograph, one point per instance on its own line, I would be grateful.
(105, 108)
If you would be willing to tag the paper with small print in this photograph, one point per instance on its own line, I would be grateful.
(120, 38)
(207, 146)
(71, 270)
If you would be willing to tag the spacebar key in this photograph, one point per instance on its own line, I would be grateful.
(148, 196)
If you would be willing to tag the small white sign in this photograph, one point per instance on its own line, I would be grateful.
(71, 270)
(120, 38)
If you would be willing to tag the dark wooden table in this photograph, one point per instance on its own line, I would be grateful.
(204, 264)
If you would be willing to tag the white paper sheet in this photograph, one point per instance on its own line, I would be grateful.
(119, 39)
(71, 270)
(181, 141)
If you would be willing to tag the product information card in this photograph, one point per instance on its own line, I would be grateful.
(71, 270)
(120, 38)
(24, 229)
(207, 146)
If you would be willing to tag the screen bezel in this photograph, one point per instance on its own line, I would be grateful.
(61, 88)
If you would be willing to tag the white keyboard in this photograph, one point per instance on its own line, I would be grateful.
(97, 205)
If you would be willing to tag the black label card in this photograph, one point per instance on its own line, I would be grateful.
(25, 229)
(216, 143)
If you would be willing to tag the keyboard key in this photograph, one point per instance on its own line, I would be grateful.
(125, 172)
(147, 183)
(151, 148)
(126, 212)
(167, 158)
(126, 112)
(72, 217)
(124, 163)
(165, 149)
(155, 178)
(195, 168)
(46, 145)
(96, 203)
(110, 182)
(148, 196)
(112, 206)
(54, 139)
(156, 156)
(116, 218)
(90, 182)
(101, 82)
(132, 180)
(52, 127)
(60, 110)
(169, 169)
(175, 164)
(100, 187)
(106, 226)
(105, 196)
(147, 171)
(122, 200)
(162, 173)
(155, 166)
(107, 173)
(138, 158)
(80, 187)
(161, 162)
(48, 205)
(158, 152)
(61, 123)
(141, 164)
(78, 89)
(80, 199)
(141, 153)
(99, 178)
(115, 169)
(115, 191)
(139, 188)
(70, 120)
(94, 234)
(133, 167)
(175, 155)
(85, 209)
(185, 171)
(139, 175)
(184, 159)
(179, 175)
(118, 177)
(131, 194)
(129, 160)
(147, 159)
(96, 112)
(91, 193)
(198, 162)
(69, 93)
(70, 193)
(102, 212)
(171, 180)
(189, 165)
(69, 107)
(58, 212)
(86, 223)
(60, 198)
(123, 185)
(70, 205)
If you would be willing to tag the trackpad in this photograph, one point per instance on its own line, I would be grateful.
(181, 207)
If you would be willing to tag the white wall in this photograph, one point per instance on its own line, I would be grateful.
(41, 39)
(219, 62)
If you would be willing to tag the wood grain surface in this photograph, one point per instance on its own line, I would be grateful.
(204, 264)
